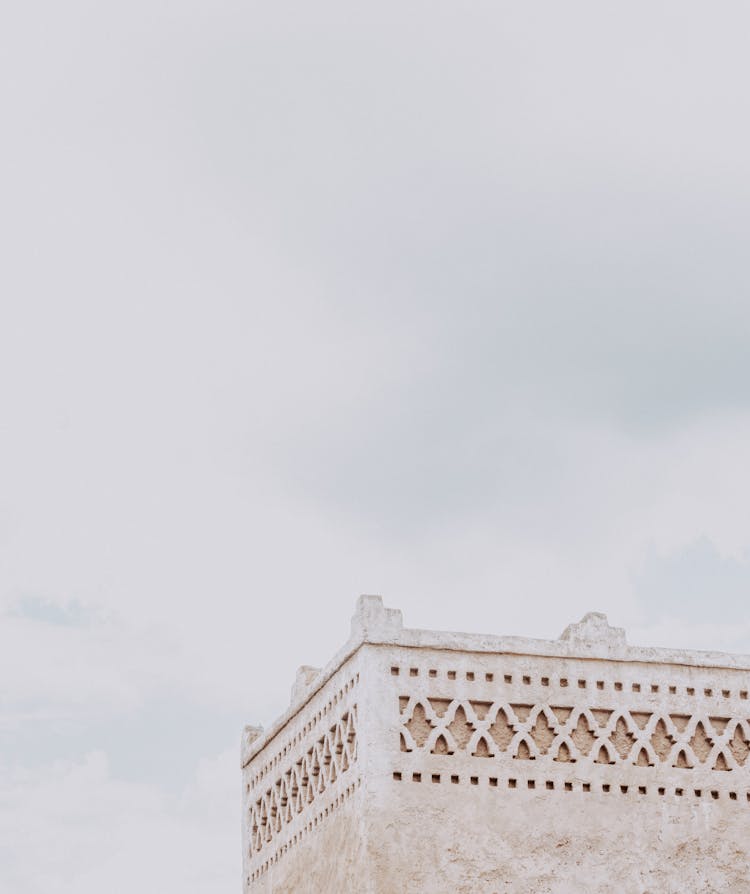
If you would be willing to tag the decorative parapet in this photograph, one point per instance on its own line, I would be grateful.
(303, 771)
(570, 724)
(592, 637)
(285, 793)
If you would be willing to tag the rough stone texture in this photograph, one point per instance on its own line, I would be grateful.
(419, 761)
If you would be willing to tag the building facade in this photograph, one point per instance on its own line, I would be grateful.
(421, 761)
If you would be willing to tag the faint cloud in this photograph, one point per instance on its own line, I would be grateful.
(695, 598)
(45, 611)
(54, 835)
(695, 583)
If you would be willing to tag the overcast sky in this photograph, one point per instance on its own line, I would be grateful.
(445, 301)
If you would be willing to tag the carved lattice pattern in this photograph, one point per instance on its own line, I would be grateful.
(304, 782)
(603, 736)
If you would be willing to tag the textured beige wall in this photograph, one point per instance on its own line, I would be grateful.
(483, 764)
(549, 777)
(330, 859)
(481, 842)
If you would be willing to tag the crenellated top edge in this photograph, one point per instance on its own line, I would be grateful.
(590, 638)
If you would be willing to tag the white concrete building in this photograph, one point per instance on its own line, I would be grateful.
(419, 761)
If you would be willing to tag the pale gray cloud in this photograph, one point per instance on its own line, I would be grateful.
(84, 831)
(305, 300)
(697, 585)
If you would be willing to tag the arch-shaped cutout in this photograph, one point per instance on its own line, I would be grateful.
(603, 756)
(721, 762)
(441, 746)
(523, 752)
(621, 737)
(582, 737)
(701, 742)
(482, 748)
(460, 727)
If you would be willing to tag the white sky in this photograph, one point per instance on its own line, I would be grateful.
(446, 301)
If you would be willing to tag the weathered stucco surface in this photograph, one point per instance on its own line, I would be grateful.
(419, 761)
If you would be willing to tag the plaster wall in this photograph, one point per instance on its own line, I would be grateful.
(534, 774)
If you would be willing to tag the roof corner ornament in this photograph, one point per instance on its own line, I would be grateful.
(249, 735)
(373, 621)
(594, 628)
(306, 676)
